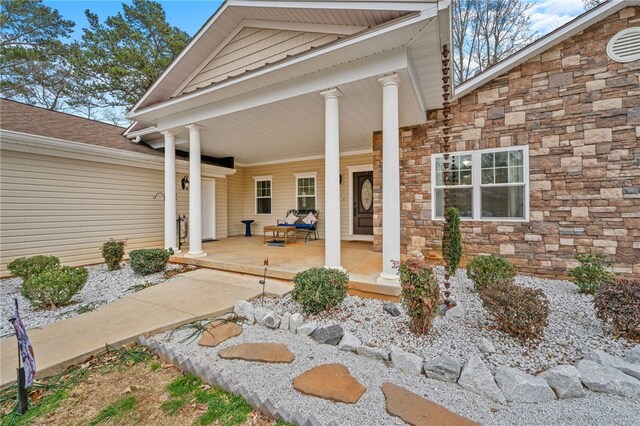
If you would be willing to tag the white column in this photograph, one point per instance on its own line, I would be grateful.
(390, 179)
(170, 191)
(332, 178)
(195, 193)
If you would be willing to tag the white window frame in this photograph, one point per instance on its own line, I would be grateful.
(313, 175)
(476, 179)
(255, 193)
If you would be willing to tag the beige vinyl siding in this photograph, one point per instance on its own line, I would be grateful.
(283, 189)
(68, 208)
(253, 48)
(234, 203)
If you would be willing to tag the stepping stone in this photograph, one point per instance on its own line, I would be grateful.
(330, 381)
(218, 333)
(418, 411)
(258, 352)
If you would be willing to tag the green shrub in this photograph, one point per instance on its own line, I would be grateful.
(451, 241)
(420, 293)
(520, 312)
(592, 272)
(486, 271)
(55, 286)
(113, 252)
(319, 289)
(148, 261)
(26, 267)
(618, 303)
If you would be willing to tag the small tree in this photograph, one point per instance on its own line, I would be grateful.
(451, 241)
(420, 293)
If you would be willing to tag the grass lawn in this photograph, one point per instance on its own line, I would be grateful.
(128, 386)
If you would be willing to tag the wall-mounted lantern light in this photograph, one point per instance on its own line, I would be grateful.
(184, 182)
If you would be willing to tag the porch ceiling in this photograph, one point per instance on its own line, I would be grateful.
(294, 128)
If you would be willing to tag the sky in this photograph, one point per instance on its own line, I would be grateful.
(190, 15)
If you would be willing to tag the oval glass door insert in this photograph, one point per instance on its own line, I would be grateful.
(366, 194)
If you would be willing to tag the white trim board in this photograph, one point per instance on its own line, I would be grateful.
(310, 158)
(24, 142)
(352, 169)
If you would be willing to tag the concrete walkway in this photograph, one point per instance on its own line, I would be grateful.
(199, 294)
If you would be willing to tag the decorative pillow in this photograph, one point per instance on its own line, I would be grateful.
(310, 219)
(291, 219)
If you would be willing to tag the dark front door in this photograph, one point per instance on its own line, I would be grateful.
(363, 203)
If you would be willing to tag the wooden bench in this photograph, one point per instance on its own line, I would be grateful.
(279, 233)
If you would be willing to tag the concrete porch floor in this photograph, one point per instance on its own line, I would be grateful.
(246, 255)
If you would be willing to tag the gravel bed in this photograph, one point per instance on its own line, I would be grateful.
(102, 286)
(572, 331)
(275, 382)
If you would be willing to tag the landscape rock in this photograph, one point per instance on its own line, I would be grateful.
(271, 320)
(600, 378)
(374, 353)
(518, 386)
(330, 334)
(608, 360)
(391, 308)
(307, 328)
(296, 321)
(486, 346)
(477, 378)
(415, 410)
(330, 381)
(455, 312)
(284, 321)
(217, 333)
(406, 361)
(259, 313)
(244, 309)
(258, 352)
(564, 380)
(443, 368)
(633, 355)
(349, 342)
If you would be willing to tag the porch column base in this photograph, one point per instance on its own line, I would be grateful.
(388, 280)
(195, 254)
(339, 268)
(176, 251)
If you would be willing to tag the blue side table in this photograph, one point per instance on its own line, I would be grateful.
(247, 223)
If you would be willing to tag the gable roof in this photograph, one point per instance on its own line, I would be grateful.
(544, 43)
(236, 14)
(29, 119)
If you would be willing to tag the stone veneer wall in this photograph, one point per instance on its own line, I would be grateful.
(579, 112)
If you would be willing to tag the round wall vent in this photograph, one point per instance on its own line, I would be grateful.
(625, 46)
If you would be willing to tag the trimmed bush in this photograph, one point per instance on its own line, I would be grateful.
(592, 272)
(486, 271)
(113, 252)
(518, 311)
(26, 267)
(54, 287)
(420, 293)
(451, 241)
(618, 303)
(148, 261)
(319, 289)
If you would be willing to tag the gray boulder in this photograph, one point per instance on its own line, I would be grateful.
(259, 312)
(329, 334)
(443, 368)
(519, 386)
(608, 360)
(244, 309)
(374, 353)
(295, 322)
(271, 320)
(284, 322)
(477, 378)
(391, 308)
(565, 381)
(600, 378)
(486, 346)
(406, 361)
(633, 355)
(307, 328)
(349, 342)
(455, 312)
